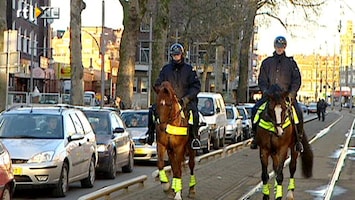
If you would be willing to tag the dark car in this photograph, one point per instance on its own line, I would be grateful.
(7, 181)
(114, 143)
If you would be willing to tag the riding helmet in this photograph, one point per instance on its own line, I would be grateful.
(280, 41)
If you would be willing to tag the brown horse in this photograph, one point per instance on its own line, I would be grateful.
(172, 137)
(276, 135)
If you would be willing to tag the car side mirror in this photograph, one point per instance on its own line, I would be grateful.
(218, 110)
(203, 124)
(118, 130)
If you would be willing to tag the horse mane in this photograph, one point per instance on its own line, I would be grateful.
(276, 93)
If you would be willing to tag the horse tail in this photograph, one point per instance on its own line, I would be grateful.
(306, 158)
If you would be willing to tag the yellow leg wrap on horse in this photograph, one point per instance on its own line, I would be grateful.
(291, 184)
(177, 182)
(266, 189)
(278, 191)
(192, 181)
(163, 177)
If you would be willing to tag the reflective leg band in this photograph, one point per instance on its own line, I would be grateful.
(278, 191)
(163, 177)
(177, 182)
(266, 189)
(291, 184)
(192, 181)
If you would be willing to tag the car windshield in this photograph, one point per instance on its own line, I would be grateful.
(41, 126)
(230, 114)
(205, 106)
(99, 122)
(242, 112)
(135, 119)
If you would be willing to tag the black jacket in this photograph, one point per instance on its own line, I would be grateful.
(183, 79)
(280, 70)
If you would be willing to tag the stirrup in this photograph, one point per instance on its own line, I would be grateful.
(196, 144)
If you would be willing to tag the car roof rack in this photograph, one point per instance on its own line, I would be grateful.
(18, 106)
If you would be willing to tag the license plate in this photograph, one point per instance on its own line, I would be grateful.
(17, 171)
(139, 151)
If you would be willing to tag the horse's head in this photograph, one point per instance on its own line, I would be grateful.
(277, 107)
(168, 106)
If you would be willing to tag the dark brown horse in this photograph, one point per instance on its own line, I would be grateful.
(172, 137)
(276, 137)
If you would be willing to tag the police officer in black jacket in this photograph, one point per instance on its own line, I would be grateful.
(283, 71)
(186, 85)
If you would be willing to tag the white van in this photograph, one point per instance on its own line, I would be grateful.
(212, 107)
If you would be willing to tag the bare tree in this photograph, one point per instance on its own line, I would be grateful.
(133, 11)
(77, 70)
(3, 27)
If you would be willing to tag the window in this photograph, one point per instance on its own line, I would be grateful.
(144, 52)
(135, 84)
(144, 84)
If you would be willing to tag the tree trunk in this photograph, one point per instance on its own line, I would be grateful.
(133, 11)
(77, 70)
(160, 32)
(249, 10)
(3, 74)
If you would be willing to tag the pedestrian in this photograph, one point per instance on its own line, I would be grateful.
(152, 116)
(186, 85)
(119, 103)
(283, 71)
(323, 108)
(319, 108)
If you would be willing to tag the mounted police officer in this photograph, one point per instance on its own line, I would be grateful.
(186, 85)
(283, 71)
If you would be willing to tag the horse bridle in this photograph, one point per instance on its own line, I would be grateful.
(171, 117)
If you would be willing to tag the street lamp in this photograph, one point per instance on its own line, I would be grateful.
(102, 53)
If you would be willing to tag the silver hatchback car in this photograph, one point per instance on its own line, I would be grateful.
(49, 146)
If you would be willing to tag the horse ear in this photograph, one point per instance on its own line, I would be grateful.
(156, 89)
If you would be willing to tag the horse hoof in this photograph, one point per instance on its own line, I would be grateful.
(192, 193)
(178, 196)
(165, 186)
(290, 195)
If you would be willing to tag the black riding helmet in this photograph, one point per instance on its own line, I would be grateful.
(176, 49)
(280, 41)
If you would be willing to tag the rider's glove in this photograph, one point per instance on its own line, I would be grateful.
(292, 96)
(184, 101)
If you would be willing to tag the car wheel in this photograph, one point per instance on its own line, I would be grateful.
(215, 143)
(111, 173)
(62, 186)
(6, 194)
(223, 139)
(88, 182)
(129, 167)
(208, 146)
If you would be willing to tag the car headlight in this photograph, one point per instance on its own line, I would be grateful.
(42, 157)
(101, 148)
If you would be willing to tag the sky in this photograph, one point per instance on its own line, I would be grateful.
(321, 36)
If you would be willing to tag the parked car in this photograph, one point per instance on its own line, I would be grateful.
(212, 107)
(49, 147)
(204, 134)
(246, 122)
(7, 180)
(114, 143)
(234, 129)
(137, 124)
(303, 107)
(312, 108)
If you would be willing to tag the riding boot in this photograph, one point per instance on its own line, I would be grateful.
(299, 145)
(253, 144)
(195, 143)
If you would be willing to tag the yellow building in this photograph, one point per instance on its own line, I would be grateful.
(91, 59)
